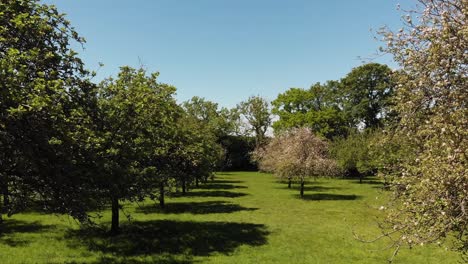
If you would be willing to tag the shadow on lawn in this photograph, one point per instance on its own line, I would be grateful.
(159, 259)
(327, 197)
(211, 186)
(368, 180)
(225, 181)
(210, 207)
(159, 237)
(14, 227)
(309, 188)
(225, 194)
(225, 173)
(156, 259)
(374, 182)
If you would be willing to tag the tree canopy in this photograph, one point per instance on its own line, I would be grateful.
(360, 100)
(256, 111)
(45, 100)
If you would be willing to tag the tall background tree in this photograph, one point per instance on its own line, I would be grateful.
(256, 111)
(365, 93)
(318, 108)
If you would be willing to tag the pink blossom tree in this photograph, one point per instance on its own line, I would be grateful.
(296, 154)
(431, 185)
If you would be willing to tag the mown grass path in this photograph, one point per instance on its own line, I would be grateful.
(241, 217)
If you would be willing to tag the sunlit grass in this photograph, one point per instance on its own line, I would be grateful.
(244, 217)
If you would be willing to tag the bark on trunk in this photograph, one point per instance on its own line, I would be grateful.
(6, 198)
(302, 188)
(161, 195)
(115, 216)
(196, 182)
(184, 187)
(360, 178)
(289, 183)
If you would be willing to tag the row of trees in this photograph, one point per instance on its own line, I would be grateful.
(72, 146)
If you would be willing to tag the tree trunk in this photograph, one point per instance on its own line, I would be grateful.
(1, 218)
(184, 187)
(115, 216)
(289, 183)
(302, 188)
(6, 198)
(360, 177)
(196, 182)
(161, 194)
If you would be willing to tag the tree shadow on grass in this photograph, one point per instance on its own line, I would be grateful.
(368, 180)
(328, 197)
(220, 186)
(225, 173)
(11, 227)
(225, 194)
(154, 238)
(210, 207)
(162, 259)
(225, 181)
(309, 188)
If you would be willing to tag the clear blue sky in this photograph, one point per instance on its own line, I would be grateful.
(227, 50)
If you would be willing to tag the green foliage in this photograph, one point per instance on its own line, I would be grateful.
(361, 99)
(224, 125)
(134, 127)
(45, 99)
(221, 122)
(197, 154)
(238, 153)
(315, 108)
(353, 154)
(133, 135)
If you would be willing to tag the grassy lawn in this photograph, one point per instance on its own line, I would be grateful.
(243, 217)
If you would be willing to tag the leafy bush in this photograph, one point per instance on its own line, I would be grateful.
(353, 154)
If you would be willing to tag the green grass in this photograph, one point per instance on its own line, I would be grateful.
(241, 217)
